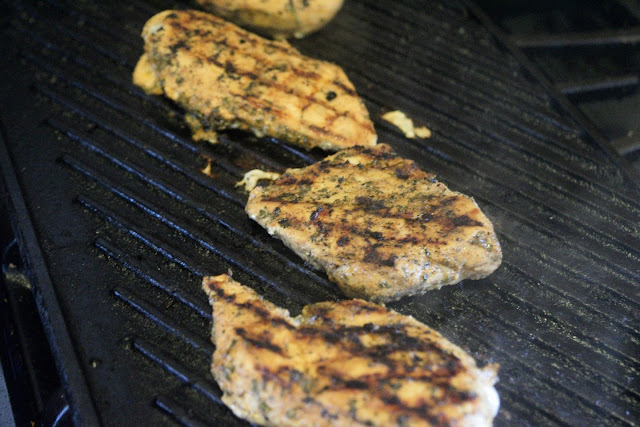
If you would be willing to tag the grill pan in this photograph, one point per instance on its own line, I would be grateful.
(118, 223)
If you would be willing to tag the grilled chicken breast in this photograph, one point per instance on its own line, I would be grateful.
(340, 363)
(379, 226)
(276, 18)
(226, 77)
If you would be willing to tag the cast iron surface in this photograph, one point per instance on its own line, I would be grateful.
(109, 195)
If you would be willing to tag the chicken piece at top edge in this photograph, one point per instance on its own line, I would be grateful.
(276, 18)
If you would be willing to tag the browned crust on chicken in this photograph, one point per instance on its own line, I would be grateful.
(276, 18)
(226, 77)
(340, 363)
(379, 226)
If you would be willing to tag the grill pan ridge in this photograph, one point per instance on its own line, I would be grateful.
(128, 223)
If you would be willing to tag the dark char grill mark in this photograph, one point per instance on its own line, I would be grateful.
(373, 257)
(253, 307)
(370, 205)
(465, 221)
(343, 241)
(259, 343)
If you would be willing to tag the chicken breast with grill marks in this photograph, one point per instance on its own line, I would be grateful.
(276, 18)
(379, 226)
(226, 77)
(340, 364)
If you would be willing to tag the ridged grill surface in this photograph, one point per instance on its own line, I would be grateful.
(129, 223)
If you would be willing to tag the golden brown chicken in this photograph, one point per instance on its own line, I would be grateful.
(276, 18)
(340, 364)
(379, 226)
(226, 77)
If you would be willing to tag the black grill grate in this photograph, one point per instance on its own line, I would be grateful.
(590, 52)
(109, 172)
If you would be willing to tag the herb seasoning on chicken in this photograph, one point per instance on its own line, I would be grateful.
(276, 18)
(340, 363)
(226, 77)
(379, 226)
